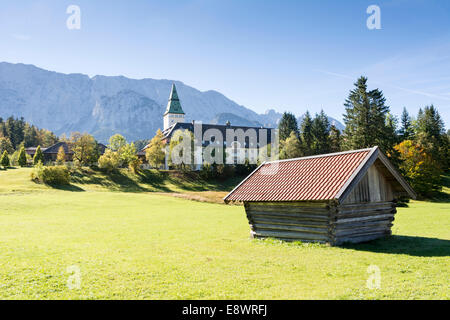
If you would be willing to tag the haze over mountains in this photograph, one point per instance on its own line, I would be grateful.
(105, 105)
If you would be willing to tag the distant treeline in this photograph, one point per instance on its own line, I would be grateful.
(16, 133)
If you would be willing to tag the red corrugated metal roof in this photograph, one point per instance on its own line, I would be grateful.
(303, 179)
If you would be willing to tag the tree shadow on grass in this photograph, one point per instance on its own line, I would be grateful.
(155, 179)
(413, 246)
(150, 181)
(442, 196)
(71, 187)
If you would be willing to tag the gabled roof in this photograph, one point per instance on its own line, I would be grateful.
(68, 148)
(316, 178)
(174, 105)
(55, 148)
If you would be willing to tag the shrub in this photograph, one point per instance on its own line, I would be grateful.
(58, 175)
(134, 164)
(4, 161)
(36, 174)
(109, 161)
(206, 172)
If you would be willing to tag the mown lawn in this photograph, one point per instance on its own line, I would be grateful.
(138, 245)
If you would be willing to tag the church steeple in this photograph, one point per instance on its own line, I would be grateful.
(174, 105)
(174, 113)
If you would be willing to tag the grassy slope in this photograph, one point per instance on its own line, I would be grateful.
(186, 185)
(141, 245)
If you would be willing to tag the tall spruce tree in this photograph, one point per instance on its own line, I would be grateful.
(430, 134)
(320, 130)
(365, 117)
(406, 130)
(287, 124)
(306, 136)
(335, 139)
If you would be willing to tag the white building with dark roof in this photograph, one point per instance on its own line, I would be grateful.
(174, 120)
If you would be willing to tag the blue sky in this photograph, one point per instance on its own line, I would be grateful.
(286, 55)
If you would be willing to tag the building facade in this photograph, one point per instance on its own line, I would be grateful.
(243, 141)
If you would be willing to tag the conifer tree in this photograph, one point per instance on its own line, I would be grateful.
(4, 161)
(430, 134)
(38, 156)
(335, 139)
(306, 136)
(406, 130)
(365, 117)
(320, 129)
(287, 124)
(22, 157)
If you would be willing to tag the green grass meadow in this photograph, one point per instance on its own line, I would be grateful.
(130, 243)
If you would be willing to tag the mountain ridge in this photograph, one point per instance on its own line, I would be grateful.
(105, 105)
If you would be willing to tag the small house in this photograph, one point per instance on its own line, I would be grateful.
(51, 153)
(345, 197)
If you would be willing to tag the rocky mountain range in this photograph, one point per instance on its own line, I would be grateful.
(104, 105)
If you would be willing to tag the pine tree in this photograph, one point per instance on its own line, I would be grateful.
(429, 133)
(335, 139)
(365, 117)
(4, 161)
(391, 137)
(38, 156)
(5, 144)
(406, 131)
(320, 130)
(287, 124)
(22, 157)
(306, 136)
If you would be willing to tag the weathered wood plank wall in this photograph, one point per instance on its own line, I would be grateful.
(373, 187)
(289, 220)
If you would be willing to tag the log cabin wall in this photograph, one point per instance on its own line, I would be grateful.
(362, 222)
(290, 221)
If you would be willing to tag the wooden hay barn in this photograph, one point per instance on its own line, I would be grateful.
(345, 197)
